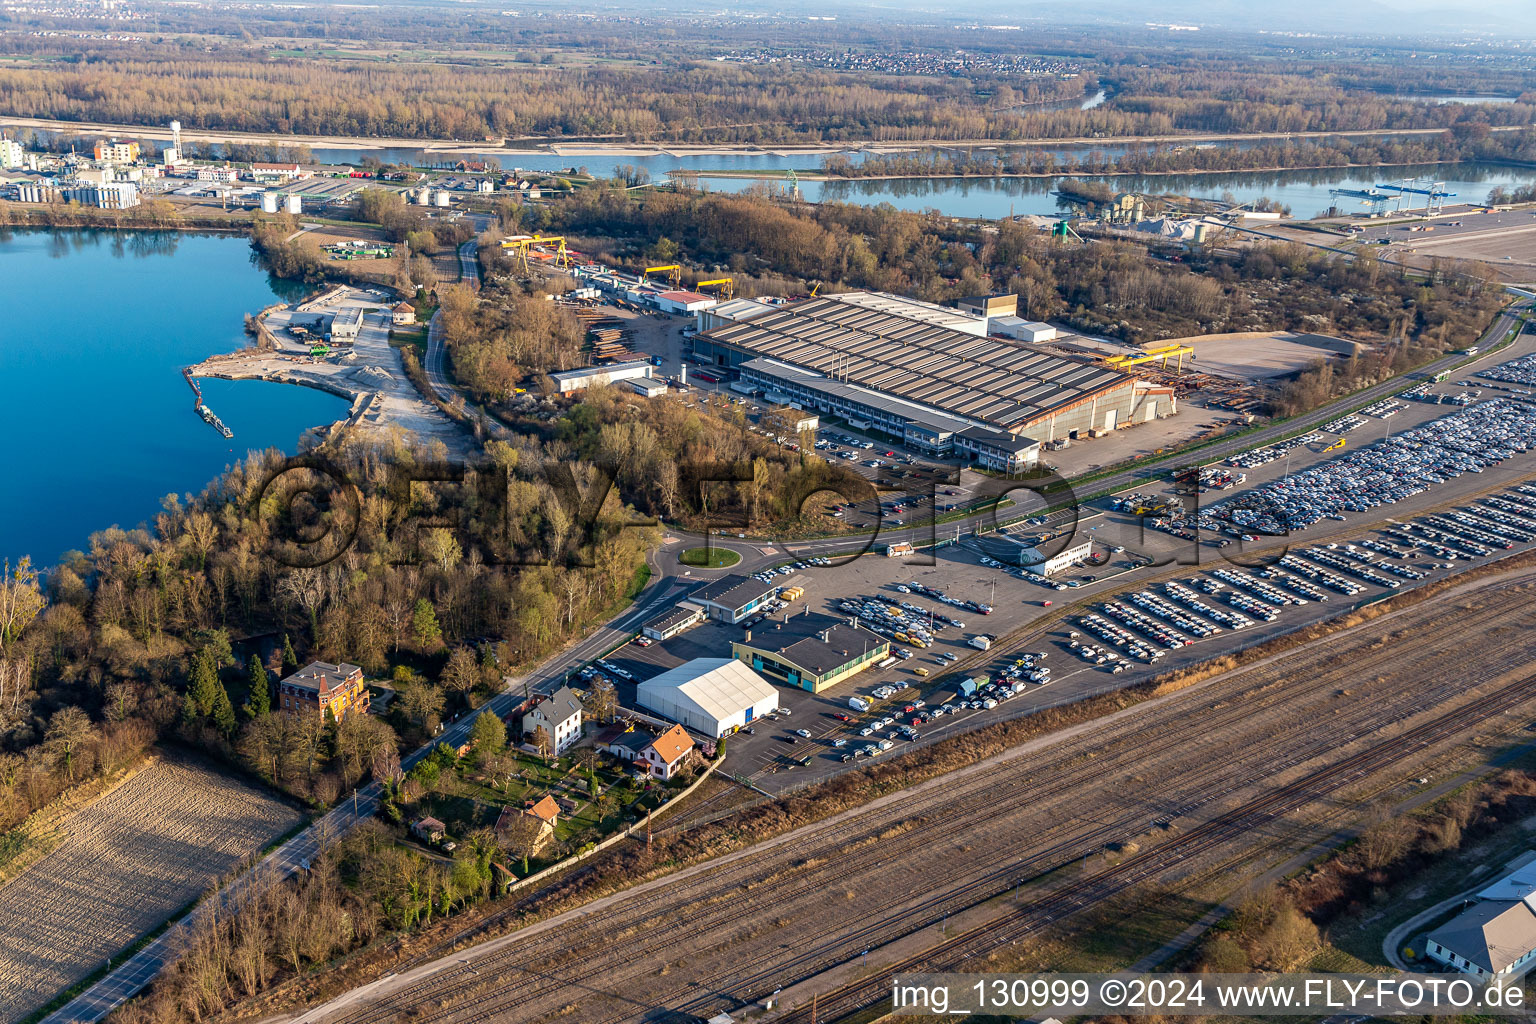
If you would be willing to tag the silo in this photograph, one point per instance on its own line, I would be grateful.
(442, 198)
(1202, 229)
(295, 203)
(269, 202)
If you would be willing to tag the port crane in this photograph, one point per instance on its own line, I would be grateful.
(674, 273)
(1159, 353)
(726, 286)
(519, 245)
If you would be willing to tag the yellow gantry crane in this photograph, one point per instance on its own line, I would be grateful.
(674, 273)
(1340, 443)
(726, 286)
(1159, 353)
(519, 245)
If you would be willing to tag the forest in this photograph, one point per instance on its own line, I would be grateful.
(665, 78)
(1110, 288)
(1464, 141)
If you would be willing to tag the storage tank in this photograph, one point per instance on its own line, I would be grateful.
(442, 198)
(269, 202)
(1202, 229)
(424, 197)
(295, 203)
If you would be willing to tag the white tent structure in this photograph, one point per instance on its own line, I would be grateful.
(709, 696)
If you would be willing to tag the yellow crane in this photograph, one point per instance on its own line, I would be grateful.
(726, 285)
(1340, 443)
(674, 275)
(1160, 353)
(520, 244)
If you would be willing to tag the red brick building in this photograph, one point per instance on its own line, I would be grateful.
(320, 687)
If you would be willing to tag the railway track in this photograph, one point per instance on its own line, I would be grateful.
(572, 957)
(1254, 814)
(982, 796)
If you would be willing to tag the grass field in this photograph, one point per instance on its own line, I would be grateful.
(125, 864)
(712, 558)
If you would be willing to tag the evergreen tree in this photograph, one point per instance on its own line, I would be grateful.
(290, 660)
(203, 686)
(260, 701)
(223, 711)
(424, 623)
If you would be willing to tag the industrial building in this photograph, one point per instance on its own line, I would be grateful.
(277, 173)
(1049, 565)
(567, 381)
(668, 624)
(711, 696)
(1019, 329)
(1496, 936)
(732, 598)
(683, 302)
(11, 154)
(648, 387)
(114, 152)
(346, 324)
(922, 373)
(989, 307)
(810, 651)
(117, 195)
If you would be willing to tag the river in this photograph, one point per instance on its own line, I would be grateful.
(1305, 192)
(99, 424)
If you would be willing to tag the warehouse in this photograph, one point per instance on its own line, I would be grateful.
(732, 598)
(905, 368)
(811, 651)
(668, 624)
(710, 696)
(567, 381)
(346, 324)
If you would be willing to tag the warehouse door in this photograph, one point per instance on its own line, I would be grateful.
(1109, 419)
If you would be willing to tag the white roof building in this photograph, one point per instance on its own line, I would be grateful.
(711, 696)
(567, 381)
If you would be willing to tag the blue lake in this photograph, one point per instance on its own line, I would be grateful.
(1307, 193)
(99, 423)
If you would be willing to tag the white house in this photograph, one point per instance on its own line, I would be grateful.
(1495, 938)
(665, 754)
(559, 715)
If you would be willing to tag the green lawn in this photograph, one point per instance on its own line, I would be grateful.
(709, 558)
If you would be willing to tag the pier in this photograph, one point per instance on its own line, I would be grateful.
(209, 416)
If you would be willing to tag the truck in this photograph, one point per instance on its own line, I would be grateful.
(858, 703)
(981, 643)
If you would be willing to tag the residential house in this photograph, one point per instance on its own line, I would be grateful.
(623, 742)
(559, 715)
(666, 754)
(403, 315)
(321, 688)
(545, 811)
(429, 830)
(1494, 938)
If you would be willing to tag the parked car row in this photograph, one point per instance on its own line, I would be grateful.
(980, 607)
(1116, 636)
(1515, 371)
(1189, 599)
(1179, 618)
(1255, 457)
(1385, 472)
(1344, 424)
